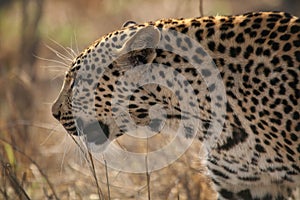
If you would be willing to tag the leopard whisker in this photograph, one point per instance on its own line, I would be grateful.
(66, 149)
(67, 50)
(53, 61)
(76, 45)
(63, 57)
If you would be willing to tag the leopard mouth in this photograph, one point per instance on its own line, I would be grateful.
(94, 132)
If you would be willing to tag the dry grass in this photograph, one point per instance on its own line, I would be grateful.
(37, 159)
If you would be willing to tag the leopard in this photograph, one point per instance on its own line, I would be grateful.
(233, 80)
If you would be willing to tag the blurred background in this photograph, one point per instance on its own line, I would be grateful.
(38, 40)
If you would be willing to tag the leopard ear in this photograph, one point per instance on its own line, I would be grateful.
(145, 38)
(140, 48)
